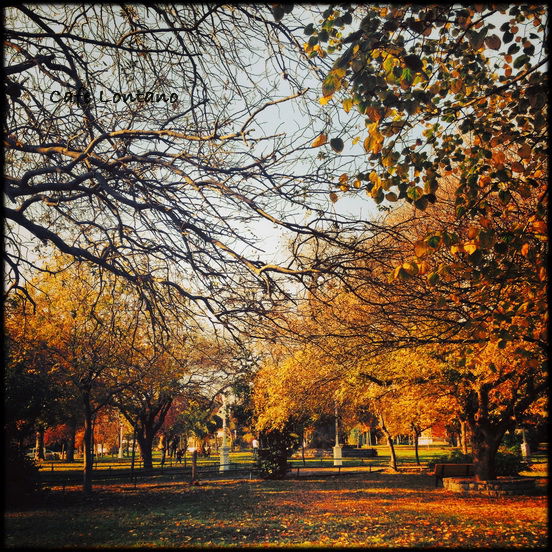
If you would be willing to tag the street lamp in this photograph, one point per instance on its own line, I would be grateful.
(337, 450)
(224, 449)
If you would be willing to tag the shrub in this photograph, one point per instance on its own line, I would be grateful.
(510, 461)
(20, 478)
(455, 456)
(277, 447)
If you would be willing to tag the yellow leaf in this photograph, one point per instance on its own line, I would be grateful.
(525, 249)
(374, 178)
(456, 249)
(374, 142)
(347, 104)
(324, 100)
(470, 247)
(319, 141)
(357, 184)
(411, 267)
(356, 140)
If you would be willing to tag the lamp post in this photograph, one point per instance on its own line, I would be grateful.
(337, 450)
(525, 449)
(224, 449)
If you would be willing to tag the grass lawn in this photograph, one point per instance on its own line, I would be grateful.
(376, 509)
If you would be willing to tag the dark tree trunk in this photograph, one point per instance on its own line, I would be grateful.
(485, 443)
(145, 442)
(72, 423)
(415, 437)
(88, 452)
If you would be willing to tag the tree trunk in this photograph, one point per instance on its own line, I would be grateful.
(485, 443)
(121, 438)
(71, 440)
(87, 446)
(145, 442)
(415, 437)
(464, 436)
(393, 456)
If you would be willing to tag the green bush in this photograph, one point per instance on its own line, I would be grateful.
(276, 447)
(455, 456)
(20, 478)
(510, 461)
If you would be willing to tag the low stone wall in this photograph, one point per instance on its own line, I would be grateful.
(502, 486)
(313, 453)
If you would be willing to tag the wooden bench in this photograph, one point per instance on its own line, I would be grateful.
(452, 470)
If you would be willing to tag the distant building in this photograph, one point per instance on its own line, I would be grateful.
(435, 435)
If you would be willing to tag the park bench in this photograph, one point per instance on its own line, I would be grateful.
(452, 470)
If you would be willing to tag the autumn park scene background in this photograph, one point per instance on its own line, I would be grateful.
(275, 275)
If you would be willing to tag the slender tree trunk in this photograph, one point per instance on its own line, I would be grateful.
(415, 438)
(72, 423)
(121, 435)
(87, 446)
(464, 436)
(393, 456)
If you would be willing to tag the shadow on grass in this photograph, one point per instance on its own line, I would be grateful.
(372, 509)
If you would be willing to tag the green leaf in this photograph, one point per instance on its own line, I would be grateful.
(415, 192)
(413, 62)
(433, 241)
(521, 61)
(278, 13)
(433, 278)
(421, 203)
(331, 84)
(337, 144)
